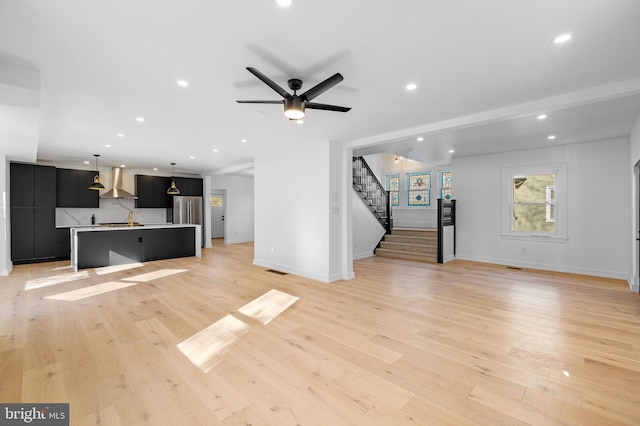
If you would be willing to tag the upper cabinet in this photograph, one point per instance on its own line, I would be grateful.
(152, 190)
(72, 188)
(191, 187)
(31, 185)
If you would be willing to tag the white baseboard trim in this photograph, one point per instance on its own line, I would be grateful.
(4, 272)
(634, 285)
(546, 267)
(363, 255)
(448, 259)
(289, 270)
(237, 241)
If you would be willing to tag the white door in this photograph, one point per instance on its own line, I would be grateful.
(217, 215)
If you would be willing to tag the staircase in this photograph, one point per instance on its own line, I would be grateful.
(411, 244)
(372, 192)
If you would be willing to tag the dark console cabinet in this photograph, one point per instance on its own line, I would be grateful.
(33, 212)
(116, 247)
(72, 189)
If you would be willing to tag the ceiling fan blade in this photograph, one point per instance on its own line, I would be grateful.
(313, 105)
(266, 80)
(320, 88)
(260, 102)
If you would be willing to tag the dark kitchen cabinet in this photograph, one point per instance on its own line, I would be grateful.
(106, 248)
(32, 234)
(72, 189)
(169, 243)
(32, 186)
(63, 243)
(152, 191)
(33, 212)
(189, 186)
(116, 247)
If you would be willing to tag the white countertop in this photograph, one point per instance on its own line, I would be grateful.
(91, 228)
(98, 225)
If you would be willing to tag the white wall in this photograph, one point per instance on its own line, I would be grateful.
(292, 213)
(598, 209)
(403, 215)
(19, 129)
(239, 211)
(367, 230)
(5, 225)
(634, 167)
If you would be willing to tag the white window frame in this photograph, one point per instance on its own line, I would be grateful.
(551, 202)
(560, 193)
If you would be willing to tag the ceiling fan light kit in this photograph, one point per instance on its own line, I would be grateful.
(295, 105)
(294, 108)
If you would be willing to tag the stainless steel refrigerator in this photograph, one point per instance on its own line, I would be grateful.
(188, 210)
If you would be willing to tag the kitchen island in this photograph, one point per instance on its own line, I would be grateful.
(93, 247)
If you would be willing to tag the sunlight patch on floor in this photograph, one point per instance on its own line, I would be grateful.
(205, 347)
(94, 290)
(268, 306)
(55, 280)
(117, 268)
(154, 275)
(61, 268)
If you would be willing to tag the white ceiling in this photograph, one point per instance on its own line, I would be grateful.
(102, 64)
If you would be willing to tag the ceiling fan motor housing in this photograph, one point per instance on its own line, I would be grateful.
(295, 84)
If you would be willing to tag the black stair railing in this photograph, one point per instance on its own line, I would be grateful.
(372, 192)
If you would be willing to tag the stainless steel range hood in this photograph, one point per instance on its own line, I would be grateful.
(116, 191)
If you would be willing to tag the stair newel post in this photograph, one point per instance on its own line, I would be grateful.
(389, 221)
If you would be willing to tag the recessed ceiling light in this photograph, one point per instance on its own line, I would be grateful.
(562, 38)
(284, 3)
(140, 119)
(182, 83)
(87, 162)
(412, 86)
(243, 141)
(192, 157)
(121, 135)
(122, 165)
(107, 146)
(542, 116)
(155, 169)
(215, 150)
(551, 137)
(451, 151)
(420, 139)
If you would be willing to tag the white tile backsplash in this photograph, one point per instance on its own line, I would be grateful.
(110, 211)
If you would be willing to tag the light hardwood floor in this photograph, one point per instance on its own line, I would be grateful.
(403, 343)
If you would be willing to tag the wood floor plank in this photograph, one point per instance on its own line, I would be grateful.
(404, 343)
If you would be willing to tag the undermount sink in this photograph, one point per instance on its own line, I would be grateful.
(120, 224)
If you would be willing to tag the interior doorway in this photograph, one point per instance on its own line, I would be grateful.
(217, 202)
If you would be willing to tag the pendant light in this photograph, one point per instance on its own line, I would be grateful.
(96, 179)
(173, 189)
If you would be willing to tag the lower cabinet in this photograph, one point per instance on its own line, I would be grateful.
(63, 243)
(118, 247)
(32, 234)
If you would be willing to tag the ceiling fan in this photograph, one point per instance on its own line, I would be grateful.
(294, 105)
